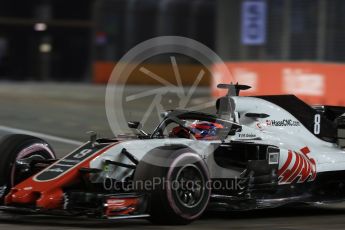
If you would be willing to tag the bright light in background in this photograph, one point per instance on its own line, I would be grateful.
(40, 27)
(45, 48)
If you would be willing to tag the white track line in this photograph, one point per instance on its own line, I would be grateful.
(40, 135)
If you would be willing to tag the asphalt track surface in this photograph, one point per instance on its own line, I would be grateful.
(63, 114)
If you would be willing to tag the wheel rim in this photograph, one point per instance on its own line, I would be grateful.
(191, 186)
(38, 150)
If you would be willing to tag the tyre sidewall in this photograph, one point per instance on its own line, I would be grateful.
(187, 158)
(165, 207)
(11, 147)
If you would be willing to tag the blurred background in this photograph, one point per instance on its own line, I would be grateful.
(56, 56)
(300, 42)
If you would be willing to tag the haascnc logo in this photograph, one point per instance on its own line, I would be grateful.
(285, 123)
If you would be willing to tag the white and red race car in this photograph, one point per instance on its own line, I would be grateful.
(256, 152)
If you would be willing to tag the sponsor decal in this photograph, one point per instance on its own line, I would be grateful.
(254, 20)
(56, 170)
(246, 135)
(246, 77)
(298, 165)
(283, 123)
(68, 163)
(116, 206)
(303, 82)
(259, 125)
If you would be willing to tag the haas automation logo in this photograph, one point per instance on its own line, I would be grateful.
(298, 165)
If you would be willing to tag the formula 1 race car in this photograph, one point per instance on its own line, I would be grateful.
(254, 153)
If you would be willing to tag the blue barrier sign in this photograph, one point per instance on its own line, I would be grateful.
(254, 22)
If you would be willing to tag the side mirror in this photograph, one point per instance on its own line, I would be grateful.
(137, 126)
(164, 114)
(134, 124)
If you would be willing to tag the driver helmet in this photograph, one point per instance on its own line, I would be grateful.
(179, 132)
(205, 130)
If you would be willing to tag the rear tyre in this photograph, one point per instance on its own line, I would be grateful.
(14, 148)
(176, 179)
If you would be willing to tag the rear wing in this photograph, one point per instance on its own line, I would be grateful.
(329, 111)
(340, 121)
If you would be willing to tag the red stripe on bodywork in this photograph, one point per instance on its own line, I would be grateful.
(306, 171)
(286, 164)
(303, 167)
(293, 170)
(298, 168)
(305, 150)
(47, 194)
(313, 170)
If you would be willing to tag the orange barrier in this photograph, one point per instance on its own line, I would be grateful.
(102, 71)
(188, 73)
(315, 83)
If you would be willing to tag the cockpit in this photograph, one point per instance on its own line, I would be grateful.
(194, 125)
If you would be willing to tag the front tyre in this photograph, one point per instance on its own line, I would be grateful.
(179, 192)
(15, 149)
